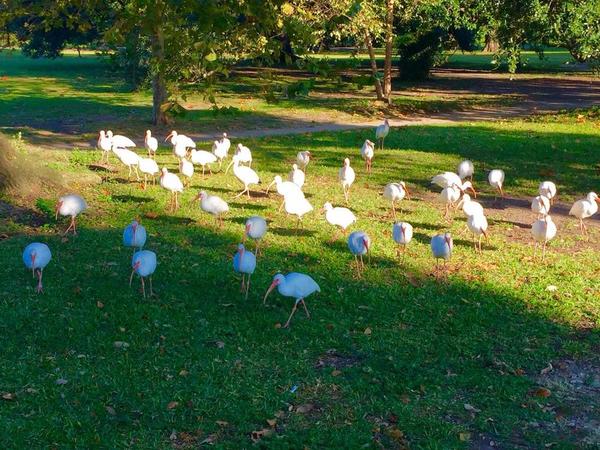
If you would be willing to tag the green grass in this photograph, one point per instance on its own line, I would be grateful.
(478, 336)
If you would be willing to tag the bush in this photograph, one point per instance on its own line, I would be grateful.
(419, 53)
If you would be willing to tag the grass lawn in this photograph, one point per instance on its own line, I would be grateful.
(401, 358)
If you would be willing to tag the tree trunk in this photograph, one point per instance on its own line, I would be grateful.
(377, 82)
(491, 44)
(159, 87)
(389, 42)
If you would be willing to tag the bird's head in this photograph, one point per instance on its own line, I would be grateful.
(163, 172)
(327, 207)
(248, 227)
(346, 162)
(467, 185)
(102, 134)
(366, 242)
(200, 196)
(172, 134)
(148, 133)
(224, 135)
(593, 197)
(277, 280)
(448, 239)
(240, 146)
(57, 209)
(241, 249)
(109, 134)
(403, 184)
(294, 167)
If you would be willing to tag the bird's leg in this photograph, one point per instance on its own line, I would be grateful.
(74, 226)
(287, 324)
(241, 193)
(129, 174)
(305, 308)
(335, 235)
(362, 263)
(480, 236)
(357, 266)
(137, 175)
(243, 285)
(501, 192)
(248, 192)
(143, 287)
(176, 201)
(544, 250)
(131, 277)
(151, 290)
(210, 170)
(39, 286)
(282, 204)
(202, 171)
(145, 180)
(248, 286)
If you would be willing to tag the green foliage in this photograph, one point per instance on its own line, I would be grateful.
(46, 207)
(419, 53)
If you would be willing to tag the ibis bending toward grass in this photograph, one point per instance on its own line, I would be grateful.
(181, 143)
(148, 166)
(496, 180)
(244, 262)
(245, 175)
(338, 217)
(243, 156)
(358, 244)
(441, 247)
(297, 176)
(548, 189)
(540, 206)
(134, 235)
(402, 233)
(449, 196)
(128, 158)
(70, 205)
(104, 144)
(151, 144)
(543, 231)
(297, 205)
(36, 257)
(284, 188)
(144, 264)
(367, 152)
(381, 132)
(255, 228)
(186, 168)
(469, 207)
(465, 169)
(120, 141)
(220, 152)
(584, 208)
(204, 159)
(450, 179)
(302, 159)
(173, 184)
(478, 225)
(395, 192)
(295, 285)
(346, 177)
(213, 205)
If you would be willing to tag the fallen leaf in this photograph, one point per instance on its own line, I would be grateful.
(8, 396)
(258, 435)
(396, 434)
(61, 381)
(183, 373)
(220, 344)
(471, 408)
(210, 439)
(336, 373)
(519, 372)
(464, 437)
(551, 288)
(272, 422)
(547, 369)
(99, 304)
(173, 435)
(280, 414)
(120, 344)
(277, 325)
(368, 331)
(542, 392)
(222, 423)
(172, 405)
(412, 279)
(111, 410)
(151, 215)
(303, 409)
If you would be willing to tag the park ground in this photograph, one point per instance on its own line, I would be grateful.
(499, 350)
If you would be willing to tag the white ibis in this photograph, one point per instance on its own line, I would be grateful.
(395, 192)
(496, 180)
(584, 208)
(297, 176)
(255, 228)
(186, 168)
(338, 217)
(225, 143)
(469, 207)
(359, 243)
(540, 206)
(243, 155)
(173, 184)
(450, 179)
(367, 152)
(302, 159)
(346, 176)
(244, 262)
(548, 189)
(204, 159)
(104, 144)
(128, 158)
(402, 233)
(381, 132)
(297, 205)
(36, 257)
(214, 205)
(465, 169)
(148, 167)
(285, 188)
(220, 152)
(70, 205)
(120, 141)
(543, 231)
(181, 143)
(295, 285)
(245, 175)
(449, 196)
(478, 225)
(134, 235)
(151, 144)
(144, 264)
(441, 247)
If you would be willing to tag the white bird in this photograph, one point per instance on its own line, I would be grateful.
(540, 206)
(243, 155)
(70, 205)
(402, 233)
(244, 262)
(465, 169)
(297, 176)
(120, 141)
(395, 192)
(151, 144)
(478, 225)
(245, 175)
(543, 231)
(144, 264)
(295, 285)
(548, 189)
(181, 143)
(584, 208)
(496, 180)
(220, 151)
(441, 247)
(134, 235)
(450, 179)
(104, 144)
(173, 184)
(214, 205)
(381, 132)
(128, 158)
(285, 188)
(469, 207)
(36, 257)
(367, 152)
(449, 196)
(302, 159)
(297, 205)
(186, 168)
(338, 217)
(225, 143)
(359, 244)
(204, 159)
(346, 176)
(148, 166)
(255, 228)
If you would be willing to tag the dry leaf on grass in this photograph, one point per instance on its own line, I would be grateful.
(272, 422)
(542, 392)
(368, 331)
(547, 369)
(464, 437)
(222, 423)
(172, 405)
(471, 408)
(111, 410)
(303, 409)
(336, 373)
(8, 396)
(258, 435)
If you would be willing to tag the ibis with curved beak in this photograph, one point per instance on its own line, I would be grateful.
(214, 205)
(395, 192)
(284, 188)
(245, 175)
(367, 152)
(295, 285)
(70, 205)
(134, 235)
(359, 244)
(441, 248)
(402, 233)
(144, 264)
(244, 262)
(346, 176)
(255, 228)
(302, 159)
(543, 231)
(381, 132)
(496, 180)
(36, 257)
(478, 225)
(151, 144)
(584, 208)
(465, 169)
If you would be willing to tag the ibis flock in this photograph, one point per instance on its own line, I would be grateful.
(456, 190)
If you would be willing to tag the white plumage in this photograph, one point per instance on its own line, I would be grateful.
(297, 205)
(285, 188)
(395, 192)
(120, 141)
(381, 131)
(243, 155)
(338, 216)
(173, 184)
(540, 206)
(496, 180)
(465, 169)
(470, 207)
(584, 208)
(297, 176)
(104, 144)
(144, 264)
(148, 167)
(295, 285)
(129, 158)
(302, 159)
(181, 143)
(478, 225)
(70, 205)
(244, 262)
(449, 196)
(36, 257)
(441, 247)
(213, 204)
(543, 231)
(402, 233)
(245, 175)
(151, 144)
(255, 228)
(447, 179)
(367, 152)
(548, 189)
(204, 159)
(220, 151)
(186, 168)
(346, 176)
